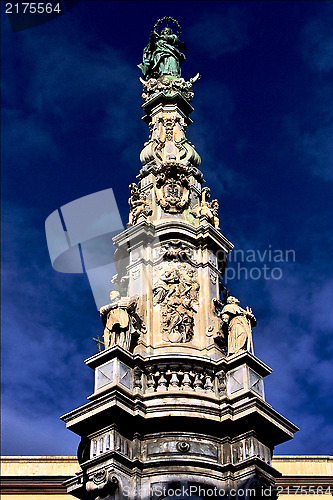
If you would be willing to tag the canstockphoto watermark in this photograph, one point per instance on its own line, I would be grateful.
(255, 264)
(161, 491)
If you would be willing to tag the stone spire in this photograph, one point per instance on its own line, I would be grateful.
(174, 356)
(172, 257)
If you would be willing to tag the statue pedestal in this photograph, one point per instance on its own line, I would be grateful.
(157, 421)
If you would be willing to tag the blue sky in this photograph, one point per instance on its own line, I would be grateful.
(263, 125)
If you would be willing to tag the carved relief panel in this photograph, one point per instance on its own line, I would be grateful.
(177, 293)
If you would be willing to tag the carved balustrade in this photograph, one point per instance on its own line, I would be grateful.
(175, 377)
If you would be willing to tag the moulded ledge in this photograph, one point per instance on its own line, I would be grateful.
(118, 406)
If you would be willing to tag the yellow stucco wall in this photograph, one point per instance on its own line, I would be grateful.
(309, 466)
(33, 497)
(305, 465)
(39, 466)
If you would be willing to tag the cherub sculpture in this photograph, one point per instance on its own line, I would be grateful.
(140, 206)
(207, 211)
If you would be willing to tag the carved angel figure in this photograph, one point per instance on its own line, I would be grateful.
(214, 207)
(238, 323)
(206, 210)
(139, 205)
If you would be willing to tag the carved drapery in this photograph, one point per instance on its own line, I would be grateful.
(177, 293)
(238, 322)
(122, 321)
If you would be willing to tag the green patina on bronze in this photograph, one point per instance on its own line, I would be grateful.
(162, 56)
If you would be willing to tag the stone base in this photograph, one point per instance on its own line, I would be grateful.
(183, 478)
(157, 422)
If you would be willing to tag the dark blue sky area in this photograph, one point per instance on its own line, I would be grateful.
(263, 125)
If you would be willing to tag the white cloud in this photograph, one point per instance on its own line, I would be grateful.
(294, 336)
(311, 134)
(63, 81)
(41, 434)
(296, 340)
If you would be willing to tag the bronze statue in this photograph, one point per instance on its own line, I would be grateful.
(162, 55)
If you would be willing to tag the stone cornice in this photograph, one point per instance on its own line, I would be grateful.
(249, 410)
(166, 229)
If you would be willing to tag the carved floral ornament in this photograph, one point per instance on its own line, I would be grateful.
(183, 446)
(168, 142)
